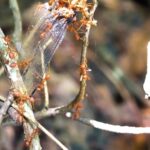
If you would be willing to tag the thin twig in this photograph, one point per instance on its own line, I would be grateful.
(52, 137)
(49, 112)
(6, 105)
(17, 35)
(146, 84)
(46, 93)
(115, 128)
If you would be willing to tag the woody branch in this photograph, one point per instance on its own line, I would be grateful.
(9, 59)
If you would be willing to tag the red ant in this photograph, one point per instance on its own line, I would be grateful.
(30, 138)
(21, 99)
(41, 84)
(83, 72)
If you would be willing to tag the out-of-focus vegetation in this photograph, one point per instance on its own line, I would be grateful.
(117, 57)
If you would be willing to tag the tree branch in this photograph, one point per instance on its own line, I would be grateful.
(9, 59)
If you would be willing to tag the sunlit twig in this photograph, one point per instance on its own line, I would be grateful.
(146, 84)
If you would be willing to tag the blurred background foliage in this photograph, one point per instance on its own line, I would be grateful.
(117, 57)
